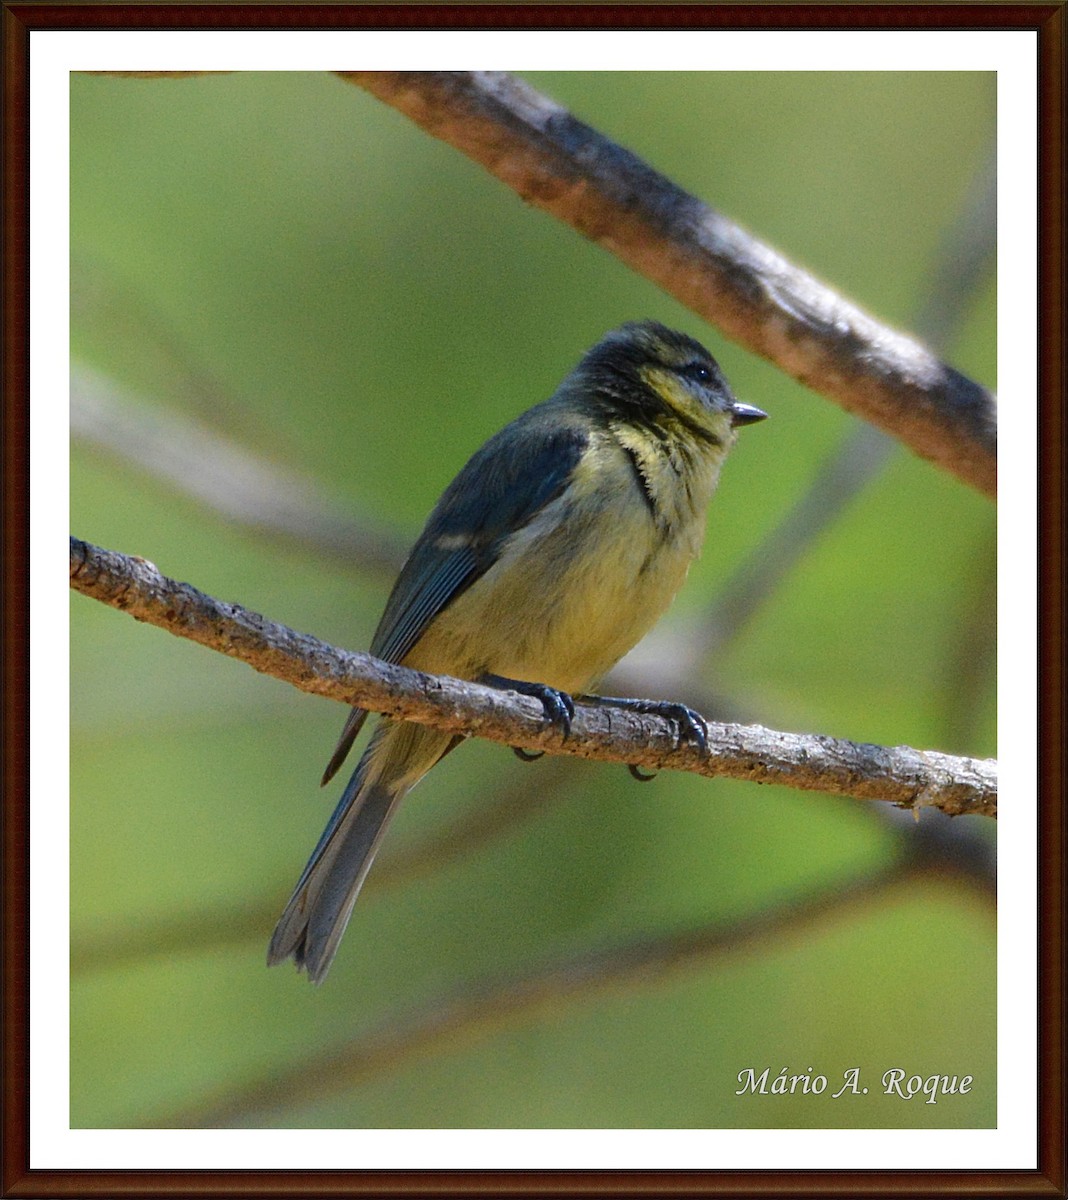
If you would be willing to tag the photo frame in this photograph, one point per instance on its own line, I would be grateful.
(215, 1174)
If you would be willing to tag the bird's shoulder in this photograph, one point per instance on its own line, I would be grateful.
(513, 475)
(502, 487)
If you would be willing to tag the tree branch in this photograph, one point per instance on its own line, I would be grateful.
(713, 266)
(900, 775)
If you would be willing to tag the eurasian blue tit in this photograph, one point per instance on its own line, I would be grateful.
(547, 558)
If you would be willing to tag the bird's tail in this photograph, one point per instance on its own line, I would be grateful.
(397, 757)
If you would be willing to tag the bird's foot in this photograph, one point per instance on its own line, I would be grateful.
(692, 727)
(559, 707)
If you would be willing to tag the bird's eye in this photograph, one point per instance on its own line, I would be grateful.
(699, 371)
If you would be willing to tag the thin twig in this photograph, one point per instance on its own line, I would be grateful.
(710, 264)
(840, 478)
(900, 775)
(120, 320)
(966, 255)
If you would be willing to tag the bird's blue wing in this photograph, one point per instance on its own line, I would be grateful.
(431, 578)
(502, 487)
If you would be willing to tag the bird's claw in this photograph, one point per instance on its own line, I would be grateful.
(559, 707)
(638, 774)
(527, 755)
(692, 726)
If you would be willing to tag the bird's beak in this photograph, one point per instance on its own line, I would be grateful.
(746, 414)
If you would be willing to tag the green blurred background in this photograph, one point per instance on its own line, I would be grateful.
(296, 268)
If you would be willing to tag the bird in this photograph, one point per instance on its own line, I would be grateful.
(553, 551)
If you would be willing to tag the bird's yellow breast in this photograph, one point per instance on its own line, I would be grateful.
(577, 587)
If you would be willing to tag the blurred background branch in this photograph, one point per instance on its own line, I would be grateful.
(963, 260)
(237, 484)
(484, 1007)
(712, 265)
(516, 800)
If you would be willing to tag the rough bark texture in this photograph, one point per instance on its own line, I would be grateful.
(901, 775)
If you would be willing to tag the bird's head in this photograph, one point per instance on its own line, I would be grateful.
(657, 378)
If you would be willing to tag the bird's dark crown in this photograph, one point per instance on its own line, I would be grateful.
(624, 368)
